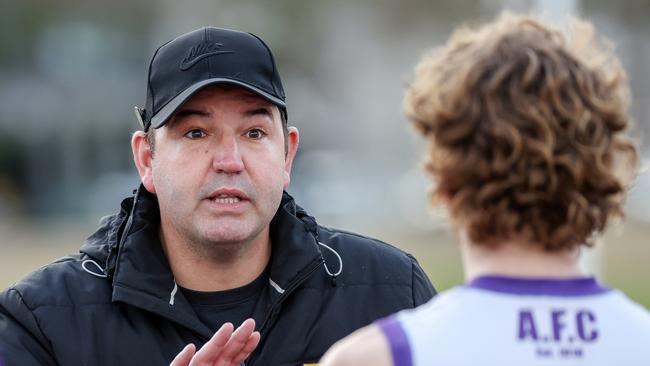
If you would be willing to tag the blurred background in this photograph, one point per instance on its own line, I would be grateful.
(71, 72)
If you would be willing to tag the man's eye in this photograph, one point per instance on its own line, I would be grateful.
(255, 134)
(194, 134)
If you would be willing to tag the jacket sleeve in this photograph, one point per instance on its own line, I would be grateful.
(422, 288)
(21, 340)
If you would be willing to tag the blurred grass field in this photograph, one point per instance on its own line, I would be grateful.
(624, 256)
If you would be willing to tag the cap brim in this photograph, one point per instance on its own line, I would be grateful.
(163, 115)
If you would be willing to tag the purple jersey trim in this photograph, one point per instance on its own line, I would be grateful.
(566, 287)
(399, 344)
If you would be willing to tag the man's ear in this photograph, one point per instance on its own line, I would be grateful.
(293, 139)
(143, 159)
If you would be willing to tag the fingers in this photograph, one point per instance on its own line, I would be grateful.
(253, 341)
(248, 348)
(238, 341)
(213, 349)
(225, 348)
(184, 357)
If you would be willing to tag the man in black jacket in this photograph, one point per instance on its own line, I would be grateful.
(210, 237)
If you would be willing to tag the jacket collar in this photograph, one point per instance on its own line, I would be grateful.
(128, 247)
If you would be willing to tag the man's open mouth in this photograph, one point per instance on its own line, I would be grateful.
(226, 199)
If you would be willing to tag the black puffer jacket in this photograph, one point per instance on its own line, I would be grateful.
(115, 303)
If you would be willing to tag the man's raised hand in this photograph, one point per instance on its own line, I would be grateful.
(225, 348)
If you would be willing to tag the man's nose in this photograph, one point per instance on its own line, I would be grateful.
(227, 156)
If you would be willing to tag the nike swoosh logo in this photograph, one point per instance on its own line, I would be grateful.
(186, 64)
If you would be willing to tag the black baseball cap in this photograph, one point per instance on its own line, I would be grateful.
(207, 56)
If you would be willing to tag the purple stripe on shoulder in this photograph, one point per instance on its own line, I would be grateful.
(399, 344)
(565, 287)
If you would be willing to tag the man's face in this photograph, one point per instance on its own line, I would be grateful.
(219, 167)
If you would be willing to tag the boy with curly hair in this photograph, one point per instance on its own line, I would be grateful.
(527, 148)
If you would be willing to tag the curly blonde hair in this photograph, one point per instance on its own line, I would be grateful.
(526, 131)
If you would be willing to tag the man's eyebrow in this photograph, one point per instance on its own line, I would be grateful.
(257, 111)
(185, 112)
(180, 116)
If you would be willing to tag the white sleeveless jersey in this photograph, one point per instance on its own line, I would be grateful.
(507, 321)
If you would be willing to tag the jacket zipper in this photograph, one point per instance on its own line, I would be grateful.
(274, 309)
